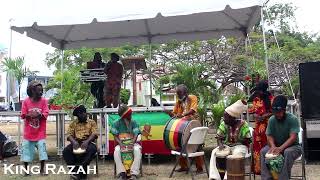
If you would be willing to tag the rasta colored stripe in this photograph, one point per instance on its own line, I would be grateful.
(178, 133)
(181, 130)
(166, 133)
(171, 134)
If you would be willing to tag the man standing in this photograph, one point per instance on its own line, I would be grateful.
(97, 87)
(282, 134)
(81, 133)
(187, 105)
(126, 125)
(34, 111)
(114, 72)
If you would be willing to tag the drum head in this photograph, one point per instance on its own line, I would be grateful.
(192, 124)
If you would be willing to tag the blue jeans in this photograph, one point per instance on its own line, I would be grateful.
(28, 150)
(290, 155)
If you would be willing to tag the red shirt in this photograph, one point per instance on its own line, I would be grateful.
(35, 128)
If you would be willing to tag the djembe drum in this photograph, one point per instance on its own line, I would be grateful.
(126, 151)
(274, 163)
(221, 161)
(177, 132)
(235, 167)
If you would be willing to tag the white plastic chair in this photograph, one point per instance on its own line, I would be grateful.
(197, 137)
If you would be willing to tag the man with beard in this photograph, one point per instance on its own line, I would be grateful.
(187, 105)
(34, 112)
(282, 134)
(81, 133)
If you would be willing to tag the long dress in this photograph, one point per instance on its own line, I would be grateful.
(259, 133)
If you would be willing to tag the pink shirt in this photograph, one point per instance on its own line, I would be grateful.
(35, 128)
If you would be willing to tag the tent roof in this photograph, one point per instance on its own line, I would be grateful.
(234, 18)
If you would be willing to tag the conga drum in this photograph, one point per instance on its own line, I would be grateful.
(221, 161)
(177, 131)
(126, 151)
(235, 167)
(274, 163)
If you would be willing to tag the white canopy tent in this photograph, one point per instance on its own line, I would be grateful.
(77, 24)
(144, 23)
(98, 23)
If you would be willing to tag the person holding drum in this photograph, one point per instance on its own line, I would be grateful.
(81, 133)
(282, 134)
(187, 105)
(233, 137)
(127, 154)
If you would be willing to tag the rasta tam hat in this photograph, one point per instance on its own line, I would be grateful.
(79, 109)
(237, 108)
(124, 111)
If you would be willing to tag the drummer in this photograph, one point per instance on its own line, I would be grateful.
(282, 134)
(232, 132)
(81, 133)
(126, 125)
(187, 105)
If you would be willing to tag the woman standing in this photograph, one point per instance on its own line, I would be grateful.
(261, 109)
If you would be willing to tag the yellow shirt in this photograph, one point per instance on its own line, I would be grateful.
(82, 131)
(183, 107)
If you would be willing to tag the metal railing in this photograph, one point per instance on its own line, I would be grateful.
(61, 117)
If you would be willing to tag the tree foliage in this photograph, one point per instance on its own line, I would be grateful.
(16, 68)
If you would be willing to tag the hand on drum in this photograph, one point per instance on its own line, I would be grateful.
(275, 150)
(221, 147)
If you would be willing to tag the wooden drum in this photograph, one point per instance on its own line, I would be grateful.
(235, 167)
(177, 131)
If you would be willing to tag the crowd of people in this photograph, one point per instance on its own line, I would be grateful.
(275, 131)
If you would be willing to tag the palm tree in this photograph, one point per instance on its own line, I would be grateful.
(15, 67)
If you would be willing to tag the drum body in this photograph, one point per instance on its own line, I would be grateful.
(126, 151)
(221, 163)
(235, 167)
(274, 163)
(177, 131)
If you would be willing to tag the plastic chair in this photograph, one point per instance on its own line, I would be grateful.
(301, 159)
(196, 137)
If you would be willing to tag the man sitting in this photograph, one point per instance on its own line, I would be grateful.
(81, 133)
(282, 133)
(232, 132)
(126, 126)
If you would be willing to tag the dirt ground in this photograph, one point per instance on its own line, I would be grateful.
(159, 167)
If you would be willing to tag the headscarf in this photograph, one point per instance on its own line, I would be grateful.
(263, 87)
(124, 112)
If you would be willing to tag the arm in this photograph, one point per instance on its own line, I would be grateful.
(193, 106)
(73, 141)
(289, 142)
(71, 136)
(45, 110)
(92, 137)
(136, 131)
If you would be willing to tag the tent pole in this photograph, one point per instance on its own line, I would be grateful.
(248, 90)
(150, 74)
(62, 57)
(265, 46)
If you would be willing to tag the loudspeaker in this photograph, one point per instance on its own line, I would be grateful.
(309, 74)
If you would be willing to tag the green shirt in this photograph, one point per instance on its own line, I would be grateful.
(281, 130)
(240, 134)
(120, 127)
